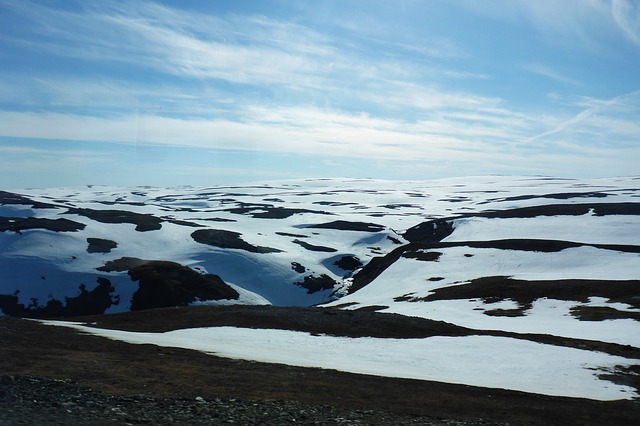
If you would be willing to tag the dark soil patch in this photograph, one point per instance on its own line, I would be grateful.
(498, 288)
(521, 244)
(122, 264)
(267, 211)
(374, 268)
(429, 232)
(165, 284)
(427, 256)
(18, 224)
(299, 268)
(120, 370)
(143, 222)
(315, 284)
(599, 209)
(400, 206)
(602, 313)
(93, 302)
(287, 234)
(12, 198)
(184, 223)
(344, 225)
(556, 196)
(100, 245)
(334, 203)
(348, 263)
(228, 239)
(505, 312)
(312, 247)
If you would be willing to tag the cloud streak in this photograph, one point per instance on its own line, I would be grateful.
(171, 77)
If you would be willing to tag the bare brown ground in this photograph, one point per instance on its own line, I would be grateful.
(116, 368)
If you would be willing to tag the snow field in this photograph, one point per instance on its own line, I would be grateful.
(493, 362)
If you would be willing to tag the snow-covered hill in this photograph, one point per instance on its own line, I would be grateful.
(520, 256)
(294, 243)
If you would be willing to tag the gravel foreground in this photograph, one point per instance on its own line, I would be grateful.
(37, 401)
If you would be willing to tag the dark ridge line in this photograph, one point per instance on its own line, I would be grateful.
(525, 244)
(312, 247)
(599, 209)
(144, 221)
(345, 225)
(554, 196)
(492, 289)
(13, 198)
(19, 224)
(228, 240)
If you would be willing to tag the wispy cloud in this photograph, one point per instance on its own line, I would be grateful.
(165, 76)
(627, 15)
(577, 23)
(601, 117)
(550, 73)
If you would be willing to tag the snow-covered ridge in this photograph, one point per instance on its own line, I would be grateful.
(516, 255)
(295, 242)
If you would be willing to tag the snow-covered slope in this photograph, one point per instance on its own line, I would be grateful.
(295, 242)
(510, 257)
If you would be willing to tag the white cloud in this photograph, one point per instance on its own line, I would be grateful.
(627, 15)
(549, 72)
(584, 24)
(597, 120)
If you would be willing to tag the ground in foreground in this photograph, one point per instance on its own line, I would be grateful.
(153, 385)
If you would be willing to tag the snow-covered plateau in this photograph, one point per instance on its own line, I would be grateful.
(523, 256)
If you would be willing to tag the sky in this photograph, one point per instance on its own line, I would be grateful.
(220, 92)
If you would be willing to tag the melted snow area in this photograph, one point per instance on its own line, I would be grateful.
(525, 255)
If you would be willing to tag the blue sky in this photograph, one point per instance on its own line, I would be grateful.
(205, 93)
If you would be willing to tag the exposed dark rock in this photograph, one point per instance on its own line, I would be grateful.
(312, 247)
(228, 239)
(287, 234)
(599, 209)
(315, 284)
(100, 245)
(429, 256)
(93, 302)
(455, 199)
(184, 223)
(374, 268)
(602, 313)
(143, 222)
(218, 219)
(344, 225)
(122, 264)
(348, 263)
(546, 246)
(165, 284)
(505, 312)
(372, 308)
(267, 211)
(400, 206)
(17, 224)
(11, 198)
(334, 203)
(298, 267)
(498, 288)
(394, 240)
(429, 232)
(556, 196)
